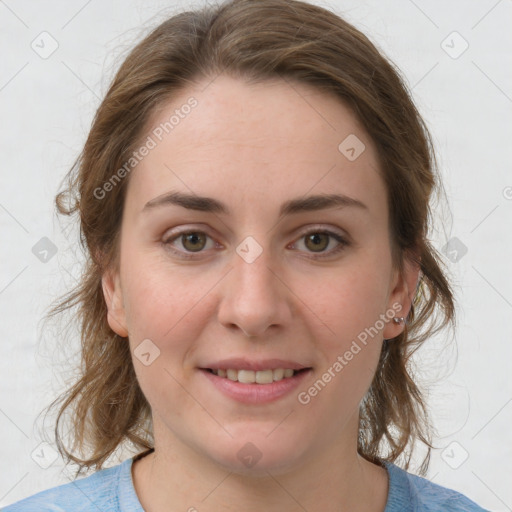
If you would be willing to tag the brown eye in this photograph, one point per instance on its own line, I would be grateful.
(321, 243)
(317, 242)
(189, 244)
(193, 241)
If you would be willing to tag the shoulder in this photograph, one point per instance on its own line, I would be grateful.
(416, 494)
(99, 491)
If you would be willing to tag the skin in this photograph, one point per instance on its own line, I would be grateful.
(253, 147)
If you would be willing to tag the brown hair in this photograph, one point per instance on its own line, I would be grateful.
(254, 40)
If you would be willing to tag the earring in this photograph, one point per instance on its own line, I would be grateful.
(398, 320)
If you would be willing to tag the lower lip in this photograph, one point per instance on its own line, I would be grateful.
(256, 393)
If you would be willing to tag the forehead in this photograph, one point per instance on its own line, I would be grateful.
(270, 140)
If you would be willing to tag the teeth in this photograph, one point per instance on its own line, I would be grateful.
(262, 377)
(251, 376)
(278, 374)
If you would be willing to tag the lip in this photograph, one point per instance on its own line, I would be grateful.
(256, 393)
(242, 363)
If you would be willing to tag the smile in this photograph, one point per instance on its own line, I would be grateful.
(255, 386)
(255, 377)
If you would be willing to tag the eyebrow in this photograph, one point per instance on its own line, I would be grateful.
(208, 204)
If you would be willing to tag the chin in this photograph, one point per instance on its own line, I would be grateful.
(257, 453)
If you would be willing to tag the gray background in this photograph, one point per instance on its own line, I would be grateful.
(47, 106)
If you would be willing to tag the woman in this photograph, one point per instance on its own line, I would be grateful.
(254, 198)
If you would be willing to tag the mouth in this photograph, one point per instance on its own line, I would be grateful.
(256, 386)
(255, 376)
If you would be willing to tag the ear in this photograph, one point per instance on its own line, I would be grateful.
(403, 291)
(113, 294)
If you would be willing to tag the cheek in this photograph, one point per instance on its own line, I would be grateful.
(348, 331)
(348, 334)
(347, 300)
(163, 303)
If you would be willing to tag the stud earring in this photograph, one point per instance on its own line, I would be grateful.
(398, 320)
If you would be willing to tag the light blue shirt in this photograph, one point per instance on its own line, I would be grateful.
(112, 490)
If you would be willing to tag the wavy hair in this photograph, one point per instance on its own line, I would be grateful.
(253, 40)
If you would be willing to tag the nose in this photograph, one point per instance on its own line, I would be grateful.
(255, 297)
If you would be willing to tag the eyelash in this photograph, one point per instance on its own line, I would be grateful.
(343, 243)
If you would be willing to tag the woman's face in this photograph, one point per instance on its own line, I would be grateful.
(286, 266)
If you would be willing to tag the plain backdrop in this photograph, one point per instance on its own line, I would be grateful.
(455, 57)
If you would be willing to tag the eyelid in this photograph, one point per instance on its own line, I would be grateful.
(173, 233)
(322, 228)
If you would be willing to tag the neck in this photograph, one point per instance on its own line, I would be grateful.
(336, 479)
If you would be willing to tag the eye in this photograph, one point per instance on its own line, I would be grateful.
(186, 244)
(190, 242)
(318, 241)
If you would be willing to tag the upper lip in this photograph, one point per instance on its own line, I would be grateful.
(242, 363)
